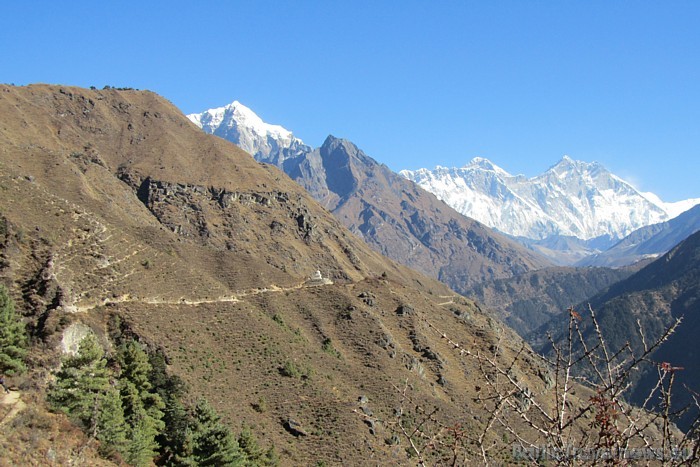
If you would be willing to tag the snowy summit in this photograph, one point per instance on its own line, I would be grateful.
(236, 122)
(572, 198)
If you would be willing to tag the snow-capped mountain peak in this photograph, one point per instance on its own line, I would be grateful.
(572, 198)
(481, 163)
(236, 122)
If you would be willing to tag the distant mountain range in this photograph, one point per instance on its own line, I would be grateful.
(392, 214)
(649, 241)
(571, 199)
(571, 214)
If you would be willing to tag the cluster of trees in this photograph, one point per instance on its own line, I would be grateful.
(135, 409)
(129, 403)
(13, 337)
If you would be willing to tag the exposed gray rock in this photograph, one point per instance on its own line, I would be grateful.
(294, 427)
(72, 336)
(405, 310)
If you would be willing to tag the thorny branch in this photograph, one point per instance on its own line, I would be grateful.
(564, 414)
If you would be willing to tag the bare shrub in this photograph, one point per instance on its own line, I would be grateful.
(576, 415)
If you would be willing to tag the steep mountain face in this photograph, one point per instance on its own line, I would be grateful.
(527, 301)
(395, 216)
(268, 143)
(648, 242)
(666, 289)
(403, 222)
(115, 208)
(572, 198)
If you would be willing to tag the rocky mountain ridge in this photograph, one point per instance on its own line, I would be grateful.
(648, 242)
(572, 198)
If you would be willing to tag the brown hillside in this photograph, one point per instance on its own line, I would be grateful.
(114, 204)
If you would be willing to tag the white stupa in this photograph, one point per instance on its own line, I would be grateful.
(318, 279)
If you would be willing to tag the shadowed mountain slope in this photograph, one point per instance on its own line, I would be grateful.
(666, 289)
(527, 301)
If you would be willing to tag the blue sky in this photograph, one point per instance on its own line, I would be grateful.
(412, 83)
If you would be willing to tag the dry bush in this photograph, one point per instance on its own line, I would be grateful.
(579, 418)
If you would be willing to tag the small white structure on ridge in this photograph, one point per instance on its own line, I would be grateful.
(318, 279)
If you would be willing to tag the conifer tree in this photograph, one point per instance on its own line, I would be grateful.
(248, 443)
(142, 407)
(212, 442)
(111, 426)
(13, 337)
(84, 391)
(254, 454)
(174, 439)
(81, 382)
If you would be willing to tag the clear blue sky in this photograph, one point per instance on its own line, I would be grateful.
(412, 83)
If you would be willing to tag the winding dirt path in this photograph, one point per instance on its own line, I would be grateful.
(127, 298)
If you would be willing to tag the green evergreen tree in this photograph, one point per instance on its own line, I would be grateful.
(184, 455)
(248, 443)
(85, 391)
(175, 441)
(13, 337)
(142, 407)
(255, 455)
(81, 383)
(175, 444)
(212, 442)
(111, 426)
(271, 457)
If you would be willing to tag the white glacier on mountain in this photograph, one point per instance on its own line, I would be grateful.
(572, 198)
(236, 122)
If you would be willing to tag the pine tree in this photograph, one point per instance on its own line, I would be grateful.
(81, 383)
(84, 391)
(111, 426)
(142, 407)
(254, 454)
(173, 440)
(177, 438)
(212, 442)
(13, 337)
